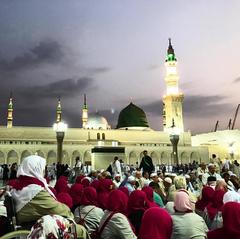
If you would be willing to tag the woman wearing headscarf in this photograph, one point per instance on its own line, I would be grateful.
(156, 223)
(213, 211)
(66, 199)
(207, 195)
(76, 194)
(150, 196)
(186, 223)
(137, 205)
(105, 187)
(32, 196)
(231, 196)
(61, 185)
(114, 223)
(88, 213)
(231, 223)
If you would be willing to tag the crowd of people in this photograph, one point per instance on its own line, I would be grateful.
(145, 202)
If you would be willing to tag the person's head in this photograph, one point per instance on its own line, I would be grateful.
(231, 219)
(146, 174)
(77, 159)
(221, 185)
(76, 193)
(167, 182)
(211, 168)
(154, 177)
(138, 174)
(180, 182)
(182, 202)
(149, 192)
(32, 166)
(115, 158)
(89, 197)
(156, 223)
(105, 185)
(117, 178)
(131, 180)
(145, 152)
(66, 199)
(155, 186)
(211, 181)
(137, 201)
(117, 201)
(226, 176)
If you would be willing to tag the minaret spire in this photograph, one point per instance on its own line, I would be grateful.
(172, 101)
(84, 112)
(10, 112)
(59, 111)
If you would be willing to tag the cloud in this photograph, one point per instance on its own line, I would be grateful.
(44, 52)
(237, 80)
(194, 106)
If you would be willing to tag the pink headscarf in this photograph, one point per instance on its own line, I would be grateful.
(149, 192)
(216, 204)
(76, 193)
(117, 202)
(137, 201)
(182, 202)
(62, 185)
(156, 224)
(231, 223)
(65, 198)
(207, 195)
(105, 187)
(89, 196)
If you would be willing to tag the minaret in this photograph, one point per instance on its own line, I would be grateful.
(84, 113)
(59, 111)
(173, 100)
(10, 112)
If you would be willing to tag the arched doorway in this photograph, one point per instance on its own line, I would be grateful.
(51, 157)
(133, 158)
(184, 158)
(12, 157)
(65, 157)
(40, 153)
(25, 154)
(2, 158)
(87, 157)
(195, 157)
(155, 158)
(75, 154)
(164, 158)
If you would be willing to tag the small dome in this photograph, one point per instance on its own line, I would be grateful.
(132, 117)
(96, 121)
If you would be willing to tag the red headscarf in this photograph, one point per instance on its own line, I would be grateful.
(76, 193)
(125, 190)
(79, 178)
(85, 182)
(65, 198)
(117, 202)
(207, 195)
(62, 185)
(89, 196)
(156, 223)
(137, 201)
(24, 181)
(216, 204)
(231, 223)
(105, 187)
(95, 184)
(149, 192)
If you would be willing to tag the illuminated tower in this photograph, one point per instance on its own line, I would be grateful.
(84, 113)
(173, 100)
(59, 111)
(10, 112)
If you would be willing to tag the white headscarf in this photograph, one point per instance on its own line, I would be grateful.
(31, 166)
(231, 196)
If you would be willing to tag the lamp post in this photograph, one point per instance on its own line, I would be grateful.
(174, 138)
(60, 129)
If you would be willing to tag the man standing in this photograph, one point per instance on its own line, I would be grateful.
(146, 163)
(211, 172)
(78, 166)
(116, 167)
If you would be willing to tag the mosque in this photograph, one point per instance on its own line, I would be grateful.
(96, 143)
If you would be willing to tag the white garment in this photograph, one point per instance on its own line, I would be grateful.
(117, 227)
(31, 166)
(206, 175)
(231, 196)
(116, 168)
(91, 218)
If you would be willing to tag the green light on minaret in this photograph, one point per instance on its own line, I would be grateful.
(170, 52)
(85, 102)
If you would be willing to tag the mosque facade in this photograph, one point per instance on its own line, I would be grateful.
(96, 143)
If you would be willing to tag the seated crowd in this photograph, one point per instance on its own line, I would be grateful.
(200, 204)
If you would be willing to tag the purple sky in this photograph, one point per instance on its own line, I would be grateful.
(114, 51)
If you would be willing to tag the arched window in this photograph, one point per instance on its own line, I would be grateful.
(103, 136)
(98, 136)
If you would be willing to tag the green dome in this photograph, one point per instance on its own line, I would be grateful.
(132, 116)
